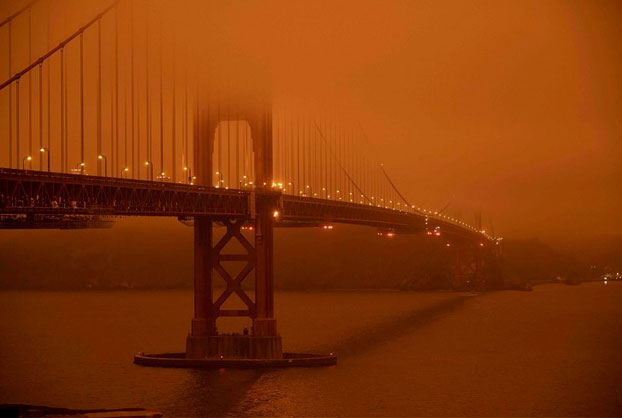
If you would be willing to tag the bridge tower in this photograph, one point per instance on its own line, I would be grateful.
(263, 341)
(476, 265)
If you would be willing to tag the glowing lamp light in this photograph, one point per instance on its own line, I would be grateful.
(276, 214)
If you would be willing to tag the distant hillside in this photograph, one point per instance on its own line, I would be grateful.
(532, 260)
(157, 253)
(602, 251)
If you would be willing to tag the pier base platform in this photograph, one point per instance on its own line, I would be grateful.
(234, 346)
(181, 361)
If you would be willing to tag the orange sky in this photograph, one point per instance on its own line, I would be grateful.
(511, 107)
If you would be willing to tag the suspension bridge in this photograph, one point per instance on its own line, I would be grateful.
(112, 118)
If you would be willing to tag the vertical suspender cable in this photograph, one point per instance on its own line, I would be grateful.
(147, 98)
(237, 146)
(318, 184)
(49, 67)
(245, 154)
(112, 141)
(135, 164)
(339, 173)
(326, 183)
(17, 119)
(344, 153)
(286, 151)
(310, 153)
(125, 126)
(185, 144)
(286, 178)
(305, 165)
(30, 82)
(116, 91)
(99, 94)
(10, 102)
(283, 139)
(82, 162)
(161, 106)
(228, 137)
(298, 176)
(136, 167)
(173, 117)
(331, 139)
(66, 117)
(327, 156)
(277, 148)
(195, 121)
(219, 142)
(40, 116)
(62, 109)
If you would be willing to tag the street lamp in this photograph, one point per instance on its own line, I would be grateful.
(124, 172)
(26, 158)
(43, 149)
(150, 165)
(221, 180)
(103, 157)
(81, 167)
(189, 176)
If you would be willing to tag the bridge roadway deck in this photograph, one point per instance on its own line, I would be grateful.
(39, 192)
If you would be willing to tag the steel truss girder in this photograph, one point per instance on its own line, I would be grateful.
(28, 191)
(321, 210)
(234, 285)
(40, 192)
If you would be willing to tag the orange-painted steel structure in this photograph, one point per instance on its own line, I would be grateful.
(344, 174)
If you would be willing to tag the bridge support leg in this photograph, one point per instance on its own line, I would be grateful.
(204, 321)
(264, 323)
(458, 282)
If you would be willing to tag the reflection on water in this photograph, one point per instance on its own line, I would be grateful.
(553, 351)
